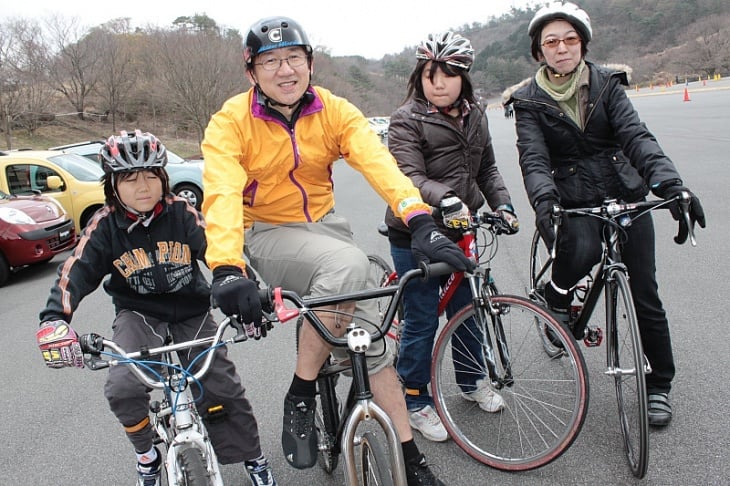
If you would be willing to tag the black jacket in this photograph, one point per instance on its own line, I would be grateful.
(441, 158)
(153, 270)
(615, 155)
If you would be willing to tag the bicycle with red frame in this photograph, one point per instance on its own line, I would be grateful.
(546, 399)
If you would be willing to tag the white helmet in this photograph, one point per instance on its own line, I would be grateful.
(568, 11)
(447, 47)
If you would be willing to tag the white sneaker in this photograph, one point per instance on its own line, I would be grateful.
(488, 399)
(428, 423)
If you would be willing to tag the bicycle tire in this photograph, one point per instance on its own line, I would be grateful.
(545, 404)
(374, 462)
(192, 467)
(326, 422)
(539, 256)
(624, 348)
(381, 273)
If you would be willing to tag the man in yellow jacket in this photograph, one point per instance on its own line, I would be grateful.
(268, 171)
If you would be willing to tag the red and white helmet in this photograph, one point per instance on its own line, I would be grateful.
(447, 47)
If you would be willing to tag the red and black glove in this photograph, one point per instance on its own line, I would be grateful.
(59, 345)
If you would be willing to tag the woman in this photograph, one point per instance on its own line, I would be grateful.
(579, 141)
(441, 141)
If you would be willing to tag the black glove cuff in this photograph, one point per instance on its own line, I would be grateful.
(226, 270)
(420, 221)
(660, 189)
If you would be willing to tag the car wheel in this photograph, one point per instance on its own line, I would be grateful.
(4, 270)
(193, 194)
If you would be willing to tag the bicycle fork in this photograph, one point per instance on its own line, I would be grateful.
(493, 339)
(183, 426)
(364, 409)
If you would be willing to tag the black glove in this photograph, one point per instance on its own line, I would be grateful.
(544, 221)
(696, 213)
(237, 295)
(511, 225)
(430, 245)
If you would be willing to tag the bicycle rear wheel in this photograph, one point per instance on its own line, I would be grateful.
(382, 274)
(625, 361)
(374, 462)
(546, 399)
(192, 466)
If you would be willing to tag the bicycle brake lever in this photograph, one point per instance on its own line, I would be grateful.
(95, 363)
(556, 216)
(684, 202)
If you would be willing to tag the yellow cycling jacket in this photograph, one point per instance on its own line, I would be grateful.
(258, 168)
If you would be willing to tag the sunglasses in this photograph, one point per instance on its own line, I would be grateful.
(572, 40)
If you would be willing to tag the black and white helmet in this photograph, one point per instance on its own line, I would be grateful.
(272, 33)
(447, 47)
(127, 153)
(567, 11)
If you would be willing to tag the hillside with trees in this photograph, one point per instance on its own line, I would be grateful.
(55, 72)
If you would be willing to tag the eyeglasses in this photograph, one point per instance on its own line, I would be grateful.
(553, 43)
(272, 64)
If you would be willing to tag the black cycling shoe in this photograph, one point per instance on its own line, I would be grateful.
(659, 410)
(418, 473)
(298, 437)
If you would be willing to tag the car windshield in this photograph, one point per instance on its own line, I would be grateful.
(81, 168)
(173, 158)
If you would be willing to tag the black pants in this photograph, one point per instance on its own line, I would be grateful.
(235, 438)
(579, 249)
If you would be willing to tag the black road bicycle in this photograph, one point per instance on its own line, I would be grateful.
(625, 360)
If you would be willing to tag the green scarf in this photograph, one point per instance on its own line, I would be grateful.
(564, 94)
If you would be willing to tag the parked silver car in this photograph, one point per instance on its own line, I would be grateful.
(186, 176)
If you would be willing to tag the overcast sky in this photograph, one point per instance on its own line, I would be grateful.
(370, 28)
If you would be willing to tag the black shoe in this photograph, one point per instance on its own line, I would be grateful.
(418, 473)
(298, 437)
(660, 410)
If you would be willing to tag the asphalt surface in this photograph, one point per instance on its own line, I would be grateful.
(57, 428)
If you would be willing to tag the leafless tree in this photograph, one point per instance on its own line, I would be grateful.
(77, 60)
(120, 51)
(25, 92)
(707, 46)
(199, 70)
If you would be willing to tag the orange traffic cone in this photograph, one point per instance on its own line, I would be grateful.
(686, 95)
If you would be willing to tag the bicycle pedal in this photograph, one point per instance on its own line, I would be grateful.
(593, 337)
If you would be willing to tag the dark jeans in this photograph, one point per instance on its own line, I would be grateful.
(420, 304)
(579, 248)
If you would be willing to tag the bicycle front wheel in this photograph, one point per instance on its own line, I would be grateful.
(626, 364)
(192, 467)
(374, 462)
(540, 262)
(545, 398)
